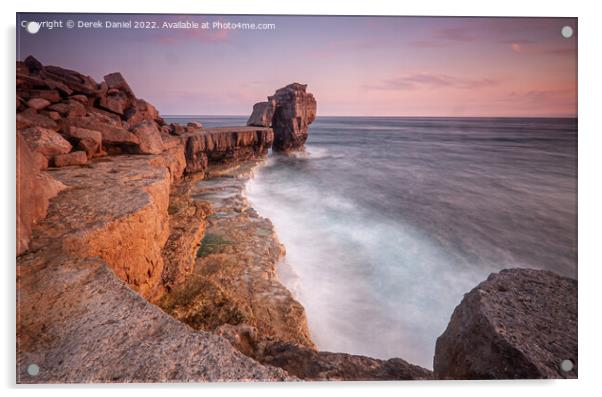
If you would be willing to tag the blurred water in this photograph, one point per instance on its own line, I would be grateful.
(387, 222)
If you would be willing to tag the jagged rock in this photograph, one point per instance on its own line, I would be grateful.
(116, 81)
(75, 81)
(140, 111)
(88, 140)
(262, 114)
(149, 136)
(33, 64)
(34, 190)
(115, 101)
(46, 141)
(38, 103)
(519, 323)
(295, 110)
(31, 118)
(73, 158)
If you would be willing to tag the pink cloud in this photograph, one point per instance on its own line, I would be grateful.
(431, 81)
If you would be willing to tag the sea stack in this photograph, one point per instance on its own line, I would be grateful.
(289, 112)
(518, 324)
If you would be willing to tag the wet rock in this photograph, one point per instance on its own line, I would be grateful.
(262, 114)
(73, 158)
(234, 278)
(46, 141)
(38, 103)
(519, 323)
(295, 111)
(149, 136)
(34, 191)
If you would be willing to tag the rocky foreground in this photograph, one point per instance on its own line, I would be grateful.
(140, 260)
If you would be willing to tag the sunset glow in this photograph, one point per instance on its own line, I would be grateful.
(357, 66)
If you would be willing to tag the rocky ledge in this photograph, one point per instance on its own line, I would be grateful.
(140, 260)
(518, 324)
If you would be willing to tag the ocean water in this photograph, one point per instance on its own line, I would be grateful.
(387, 222)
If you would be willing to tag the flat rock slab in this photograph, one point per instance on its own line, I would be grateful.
(519, 323)
(78, 316)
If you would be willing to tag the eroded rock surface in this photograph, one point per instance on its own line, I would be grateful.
(78, 315)
(519, 323)
(234, 279)
(34, 191)
(289, 112)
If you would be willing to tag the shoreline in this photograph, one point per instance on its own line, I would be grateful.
(112, 205)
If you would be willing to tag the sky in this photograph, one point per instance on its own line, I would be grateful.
(354, 66)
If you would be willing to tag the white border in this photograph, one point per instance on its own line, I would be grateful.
(590, 199)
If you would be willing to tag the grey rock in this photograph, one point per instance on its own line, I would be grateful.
(519, 323)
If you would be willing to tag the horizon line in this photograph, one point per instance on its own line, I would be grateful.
(407, 117)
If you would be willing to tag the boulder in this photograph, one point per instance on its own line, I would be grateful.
(73, 158)
(139, 111)
(262, 114)
(74, 81)
(38, 103)
(34, 190)
(519, 323)
(69, 109)
(150, 137)
(31, 118)
(33, 64)
(46, 141)
(89, 141)
(112, 135)
(115, 101)
(56, 116)
(295, 110)
(116, 81)
(194, 125)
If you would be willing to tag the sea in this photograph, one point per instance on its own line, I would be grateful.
(389, 221)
